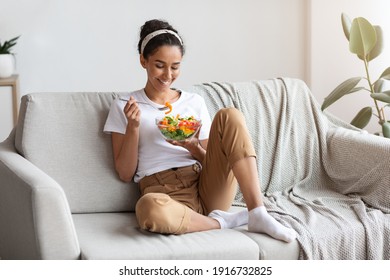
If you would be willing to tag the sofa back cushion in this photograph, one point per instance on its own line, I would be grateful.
(61, 133)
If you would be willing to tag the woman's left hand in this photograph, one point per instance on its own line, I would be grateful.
(193, 146)
(190, 145)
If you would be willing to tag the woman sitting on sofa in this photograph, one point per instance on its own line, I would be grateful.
(186, 186)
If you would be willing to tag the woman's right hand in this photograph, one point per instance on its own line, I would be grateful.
(132, 113)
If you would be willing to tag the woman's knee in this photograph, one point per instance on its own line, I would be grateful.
(150, 210)
(231, 115)
(158, 212)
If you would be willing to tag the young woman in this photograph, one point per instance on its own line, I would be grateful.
(185, 186)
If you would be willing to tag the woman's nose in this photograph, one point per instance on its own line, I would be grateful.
(167, 73)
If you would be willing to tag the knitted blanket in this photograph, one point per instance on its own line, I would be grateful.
(324, 178)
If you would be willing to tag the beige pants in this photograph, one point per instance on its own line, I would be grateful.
(168, 196)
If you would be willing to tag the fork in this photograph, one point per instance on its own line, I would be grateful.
(164, 108)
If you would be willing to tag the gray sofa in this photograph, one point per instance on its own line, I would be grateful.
(60, 197)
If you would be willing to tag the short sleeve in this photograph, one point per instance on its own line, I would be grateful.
(116, 119)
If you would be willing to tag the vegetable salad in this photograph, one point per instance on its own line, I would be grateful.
(178, 128)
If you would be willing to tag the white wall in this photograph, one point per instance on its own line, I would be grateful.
(331, 62)
(90, 45)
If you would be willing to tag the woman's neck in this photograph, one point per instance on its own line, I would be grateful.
(162, 97)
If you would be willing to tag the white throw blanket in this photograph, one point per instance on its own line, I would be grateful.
(319, 175)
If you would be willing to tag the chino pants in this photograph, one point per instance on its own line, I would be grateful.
(168, 197)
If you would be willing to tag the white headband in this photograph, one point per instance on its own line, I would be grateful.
(150, 36)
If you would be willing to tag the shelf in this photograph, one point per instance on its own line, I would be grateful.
(12, 82)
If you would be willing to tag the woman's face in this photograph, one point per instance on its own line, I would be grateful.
(162, 67)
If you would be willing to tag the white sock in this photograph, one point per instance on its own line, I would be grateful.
(230, 220)
(262, 222)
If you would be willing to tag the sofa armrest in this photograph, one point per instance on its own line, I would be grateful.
(35, 219)
(359, 164)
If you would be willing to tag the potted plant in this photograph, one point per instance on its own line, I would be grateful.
(7, 61)
(366, 41)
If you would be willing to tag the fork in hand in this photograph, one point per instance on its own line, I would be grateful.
(164, 108)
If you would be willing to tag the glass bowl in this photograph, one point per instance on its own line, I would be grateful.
(178, 128)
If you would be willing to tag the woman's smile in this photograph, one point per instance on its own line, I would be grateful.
(164, 82)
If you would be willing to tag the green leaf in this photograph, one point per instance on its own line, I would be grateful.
(346, 22)
(13, 40)
(362, 37)
(344, 88)
(386, 74)
(377, 50)
(7, 45)
(382, 96)
(362, 118)
(386, 129)
(356, 89)
(378, 85)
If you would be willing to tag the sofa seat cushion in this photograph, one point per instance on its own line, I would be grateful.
(273, 249)
(117, 236)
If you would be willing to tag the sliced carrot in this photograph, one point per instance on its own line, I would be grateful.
(169, 106)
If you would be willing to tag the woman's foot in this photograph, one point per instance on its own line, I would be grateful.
(230, 219)
(262, 222)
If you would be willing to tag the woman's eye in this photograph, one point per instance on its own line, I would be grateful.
(159, 66)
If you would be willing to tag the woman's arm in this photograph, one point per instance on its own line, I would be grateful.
(125, 146)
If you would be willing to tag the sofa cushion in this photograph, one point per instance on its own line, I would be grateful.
(62, 134)
(273, 249)
(117, 236)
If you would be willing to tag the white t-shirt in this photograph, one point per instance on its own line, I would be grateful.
(154, 153)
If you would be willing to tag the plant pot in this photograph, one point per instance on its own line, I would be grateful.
(7, 65)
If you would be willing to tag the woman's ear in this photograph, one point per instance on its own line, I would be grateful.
(142, 60)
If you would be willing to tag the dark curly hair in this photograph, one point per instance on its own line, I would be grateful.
(160, 40)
